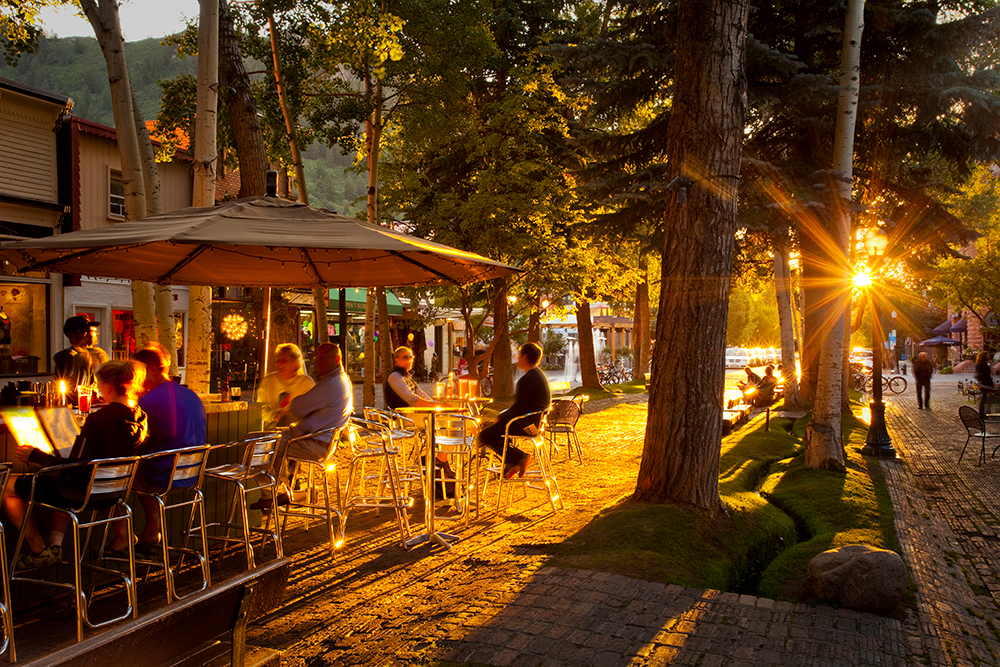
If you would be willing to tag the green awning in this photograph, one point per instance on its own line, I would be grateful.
(357, 298)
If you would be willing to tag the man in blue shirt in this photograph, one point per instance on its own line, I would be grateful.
(176, 421)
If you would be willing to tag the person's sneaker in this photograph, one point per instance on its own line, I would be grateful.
(30, 560)
(57, 552)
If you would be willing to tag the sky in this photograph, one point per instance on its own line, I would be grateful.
(140, 19)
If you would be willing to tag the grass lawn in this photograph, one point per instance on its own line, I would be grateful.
(778, 516)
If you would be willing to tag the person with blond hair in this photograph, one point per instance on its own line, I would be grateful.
(118, 429)
(277, 389)
(329, 404)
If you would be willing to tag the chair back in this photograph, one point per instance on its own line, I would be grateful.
(564, 413)
(970, 418)
(260, 453)
(188, 466)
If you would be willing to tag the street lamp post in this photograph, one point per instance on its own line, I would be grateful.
(878, 442)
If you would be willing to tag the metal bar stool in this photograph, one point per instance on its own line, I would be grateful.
(540, 477)
(455, 436)
(381, 490)
(185, 479)
(406, 437)
(252, 473)
(5, 606)
(312, 473)
(107, 484)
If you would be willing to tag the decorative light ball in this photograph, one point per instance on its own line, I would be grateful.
(409, 337)
(234, 326)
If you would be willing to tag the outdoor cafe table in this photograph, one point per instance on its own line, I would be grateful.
(429, 454)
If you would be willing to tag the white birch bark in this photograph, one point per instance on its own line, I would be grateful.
(368, 391)
(824, 440)
(199, 363)
(782, 285)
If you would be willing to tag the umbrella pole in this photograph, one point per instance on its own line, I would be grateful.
(267, 333)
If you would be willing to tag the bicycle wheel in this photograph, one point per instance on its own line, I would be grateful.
(897, 385)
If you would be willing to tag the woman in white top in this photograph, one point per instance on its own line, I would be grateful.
(279, 388)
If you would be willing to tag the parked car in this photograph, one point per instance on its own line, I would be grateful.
(863, 356)
(737, 357)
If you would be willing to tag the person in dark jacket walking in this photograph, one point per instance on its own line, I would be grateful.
(923, 368)
(984, 377)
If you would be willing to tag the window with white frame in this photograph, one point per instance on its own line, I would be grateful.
(116, 195)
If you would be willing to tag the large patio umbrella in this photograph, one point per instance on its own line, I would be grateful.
(940, 340)
(254, 242)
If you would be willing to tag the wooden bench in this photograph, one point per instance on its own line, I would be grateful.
(185, 632)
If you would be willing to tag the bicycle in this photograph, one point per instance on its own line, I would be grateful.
(896, 383)
(486, 385)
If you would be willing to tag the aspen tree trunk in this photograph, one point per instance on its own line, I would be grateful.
(585, 344)
(104, 19)
(782, 283)
(680, 459)
(162, 295)
(199, 364)
(535, 321)
(824, 440)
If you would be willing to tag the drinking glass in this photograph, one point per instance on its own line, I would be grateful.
(235, 393)
(83, 394)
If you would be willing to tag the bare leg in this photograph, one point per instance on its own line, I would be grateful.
(151, 532)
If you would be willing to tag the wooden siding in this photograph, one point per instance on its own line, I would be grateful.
(28, 147)
(98, 157)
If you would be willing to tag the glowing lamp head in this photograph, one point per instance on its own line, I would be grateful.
(875, 242)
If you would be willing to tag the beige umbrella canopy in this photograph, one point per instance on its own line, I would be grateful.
(254, 242)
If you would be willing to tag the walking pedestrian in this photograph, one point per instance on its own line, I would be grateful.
(923, 368)
(984, 377)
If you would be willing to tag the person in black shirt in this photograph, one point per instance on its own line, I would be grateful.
(117, 430)
(923, 368)
(984, 377)
(530, 395)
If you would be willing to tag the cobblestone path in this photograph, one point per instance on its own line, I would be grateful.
(491, 600)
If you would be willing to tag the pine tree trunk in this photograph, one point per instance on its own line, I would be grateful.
(680, 460)
(824, 446)
(585, 344)
(503, 370)
(640, 329)
(237, 95)
(199, 364)
(782, 289)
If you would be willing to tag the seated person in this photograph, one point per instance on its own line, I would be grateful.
(765, 388)
(77, 364)
(328, 404)
(279, 388)
(750, 383)
(176, 421)
(116, 430)
(400, 391)
(531, 394)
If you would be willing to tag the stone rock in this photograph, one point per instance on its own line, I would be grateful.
(859, 577)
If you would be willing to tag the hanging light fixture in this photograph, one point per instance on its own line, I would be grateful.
(234, 326)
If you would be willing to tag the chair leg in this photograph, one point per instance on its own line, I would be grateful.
(6, 609)
(963, 448)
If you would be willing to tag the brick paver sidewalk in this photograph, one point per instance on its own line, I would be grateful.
(492, 600)
(946, 519)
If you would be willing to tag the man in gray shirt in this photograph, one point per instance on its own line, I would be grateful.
(328, 404)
